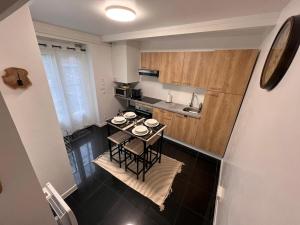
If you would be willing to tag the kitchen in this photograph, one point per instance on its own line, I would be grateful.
(149, 112)
(220, 78)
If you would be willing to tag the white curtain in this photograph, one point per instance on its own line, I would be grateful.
(71, 86)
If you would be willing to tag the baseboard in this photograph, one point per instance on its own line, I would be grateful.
(193, 147)
(69, 191)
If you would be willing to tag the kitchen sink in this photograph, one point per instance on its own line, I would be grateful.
(191, 110)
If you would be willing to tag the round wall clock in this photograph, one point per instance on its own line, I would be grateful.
(282, 53)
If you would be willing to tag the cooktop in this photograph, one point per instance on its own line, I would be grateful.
(149, 100)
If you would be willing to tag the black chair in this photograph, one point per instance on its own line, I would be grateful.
(136, 148)
(119, 138)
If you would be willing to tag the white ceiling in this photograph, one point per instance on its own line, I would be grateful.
(88, 15)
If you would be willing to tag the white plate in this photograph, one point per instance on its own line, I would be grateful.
(150, 125)
(116, 122)
(119, 119)
(151, 121)
(141, 129)
(139, 134)
(130, 115)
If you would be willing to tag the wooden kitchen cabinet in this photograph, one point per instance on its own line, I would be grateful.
(150, 60)
(164, 117)
(225, 71)
(184, 128)
(179, 127)
(170, 70)
(219, 113)
(231, 70)
(196, 69)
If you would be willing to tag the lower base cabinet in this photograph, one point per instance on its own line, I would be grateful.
(184, 128)
(179, 127)
(164, 117)
(212, 131)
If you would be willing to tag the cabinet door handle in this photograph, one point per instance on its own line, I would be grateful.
(215, 89)
(0, 187)
(186, 83)
(181, 116)
(213, 94)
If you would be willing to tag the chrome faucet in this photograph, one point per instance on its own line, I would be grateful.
(192, 102)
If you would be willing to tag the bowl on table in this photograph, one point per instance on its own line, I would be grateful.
(140, 130)
(118, 120)
(151, 123)
(129, 115)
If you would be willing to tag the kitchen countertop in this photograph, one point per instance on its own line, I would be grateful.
(172, 107)
(175, 107)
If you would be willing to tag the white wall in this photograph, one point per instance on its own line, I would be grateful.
(100, 57)
(251, 38)
(194, 42)
(261, 164)
(32, 110)
(22, 200)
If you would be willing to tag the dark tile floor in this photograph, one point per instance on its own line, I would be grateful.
(101, 199)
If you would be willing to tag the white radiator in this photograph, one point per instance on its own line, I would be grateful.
(63, 214)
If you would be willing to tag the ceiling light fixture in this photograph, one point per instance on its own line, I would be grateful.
(120, 13)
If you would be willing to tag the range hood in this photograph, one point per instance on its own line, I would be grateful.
(147, 72)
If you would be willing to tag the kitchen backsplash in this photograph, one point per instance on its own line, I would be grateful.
(151, 87)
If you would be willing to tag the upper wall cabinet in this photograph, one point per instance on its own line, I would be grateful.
(170, 70)
(230, 70)
(225, 71)
(125, 62)
(150, 60)
(196, 68)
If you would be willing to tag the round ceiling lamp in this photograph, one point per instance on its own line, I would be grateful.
(120, 13)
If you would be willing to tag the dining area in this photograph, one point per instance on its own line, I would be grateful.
(135, 156)
(137, 142)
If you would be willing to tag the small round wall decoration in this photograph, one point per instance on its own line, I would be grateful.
(282, 53)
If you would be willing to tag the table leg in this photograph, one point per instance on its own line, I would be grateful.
(144, 160)
(119, 153)
(109, 143)
(150, 152)
(160, 145)
(125, 152)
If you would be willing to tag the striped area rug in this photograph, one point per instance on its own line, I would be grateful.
(158, 180)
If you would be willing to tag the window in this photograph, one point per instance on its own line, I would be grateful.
(71, 86)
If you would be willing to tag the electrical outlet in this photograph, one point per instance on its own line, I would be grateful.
(220, 193)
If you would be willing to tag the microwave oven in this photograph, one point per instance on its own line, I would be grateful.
(123, 92)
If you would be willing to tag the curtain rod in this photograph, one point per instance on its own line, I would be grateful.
(68, 48)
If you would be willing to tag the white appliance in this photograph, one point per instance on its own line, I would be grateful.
(169, 98)
(63, 214)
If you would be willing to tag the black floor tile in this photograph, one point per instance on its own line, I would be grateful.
(136, 199)
(178, 189)
(203, 180)
(165, 217)
(198, 200)
(92, 210)
(122, 213)
(102, 199)
(116, 185)
(187, 217)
